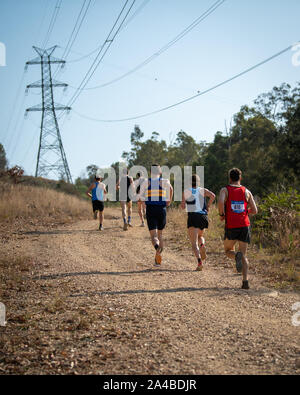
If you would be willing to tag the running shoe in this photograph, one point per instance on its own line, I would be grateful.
(101, 227)
(158, 257)
(129, 224)
(125, 227)
(199, 267)
(143, 224)
(239, 262)
(95, 214)
(245, 285)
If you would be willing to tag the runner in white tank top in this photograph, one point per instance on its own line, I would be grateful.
(193, 199)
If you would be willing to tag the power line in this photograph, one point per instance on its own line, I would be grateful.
(42, 20)
(82, 57)
(80, 22)
(97, 61)
(18, 93)
(194, 96)
(15, 128)
(34, 136)
(14, 106)
(20, 128)
(70, 43)
(138, 10)
(74, 33)
(12, 135)
(52, 22)
(51, 157)
(179, 36)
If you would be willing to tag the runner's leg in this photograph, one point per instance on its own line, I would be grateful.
(243, 249)
(201, 243)
(144, 209)
(154, 238)
(193, 235)
(123, 205)
(95, 211)
(101, 218)
(129, 208)
(229, 248)
(160, 239)
(141, 211)
(231, 254)
(158, 247)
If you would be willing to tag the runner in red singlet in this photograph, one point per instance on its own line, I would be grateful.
(235, 204)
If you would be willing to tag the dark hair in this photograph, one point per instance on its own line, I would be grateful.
(97, 178)
(155, 169)
(138, 175)
(195, 181)
(235, 174)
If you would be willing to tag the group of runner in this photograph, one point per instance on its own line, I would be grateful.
(155, 194)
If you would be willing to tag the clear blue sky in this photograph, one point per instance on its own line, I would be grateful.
(239, 34)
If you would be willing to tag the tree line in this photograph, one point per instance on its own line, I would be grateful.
(263, 141)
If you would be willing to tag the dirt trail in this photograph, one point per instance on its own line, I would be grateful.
(170, 320)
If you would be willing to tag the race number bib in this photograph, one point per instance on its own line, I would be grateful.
(237, 207)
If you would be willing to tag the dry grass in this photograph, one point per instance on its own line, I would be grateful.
(283, 233)
(25, 202)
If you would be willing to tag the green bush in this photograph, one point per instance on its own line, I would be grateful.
(277, 223)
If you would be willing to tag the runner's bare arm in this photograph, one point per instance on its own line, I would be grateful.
(211, 197)
(221, 203)
(88, 192)
(253, 208)
(170, 194)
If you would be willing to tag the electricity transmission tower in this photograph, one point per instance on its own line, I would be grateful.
(51, 157)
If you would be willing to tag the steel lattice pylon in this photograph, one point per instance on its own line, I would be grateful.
(51, 157)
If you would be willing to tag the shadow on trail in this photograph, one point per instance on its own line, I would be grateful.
(142, 291)
(217, 292)
(65, 232)
(63, 275)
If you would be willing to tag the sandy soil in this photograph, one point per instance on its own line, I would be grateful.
(98, 305)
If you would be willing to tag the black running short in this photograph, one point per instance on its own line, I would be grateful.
(240, 234)
(197, 220)
(98, 205)
(156, 216)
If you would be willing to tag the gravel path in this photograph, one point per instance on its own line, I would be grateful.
(144, 320)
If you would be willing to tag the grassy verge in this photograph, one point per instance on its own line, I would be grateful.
(22, 202)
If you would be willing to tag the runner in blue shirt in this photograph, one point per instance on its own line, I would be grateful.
(97, 192)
